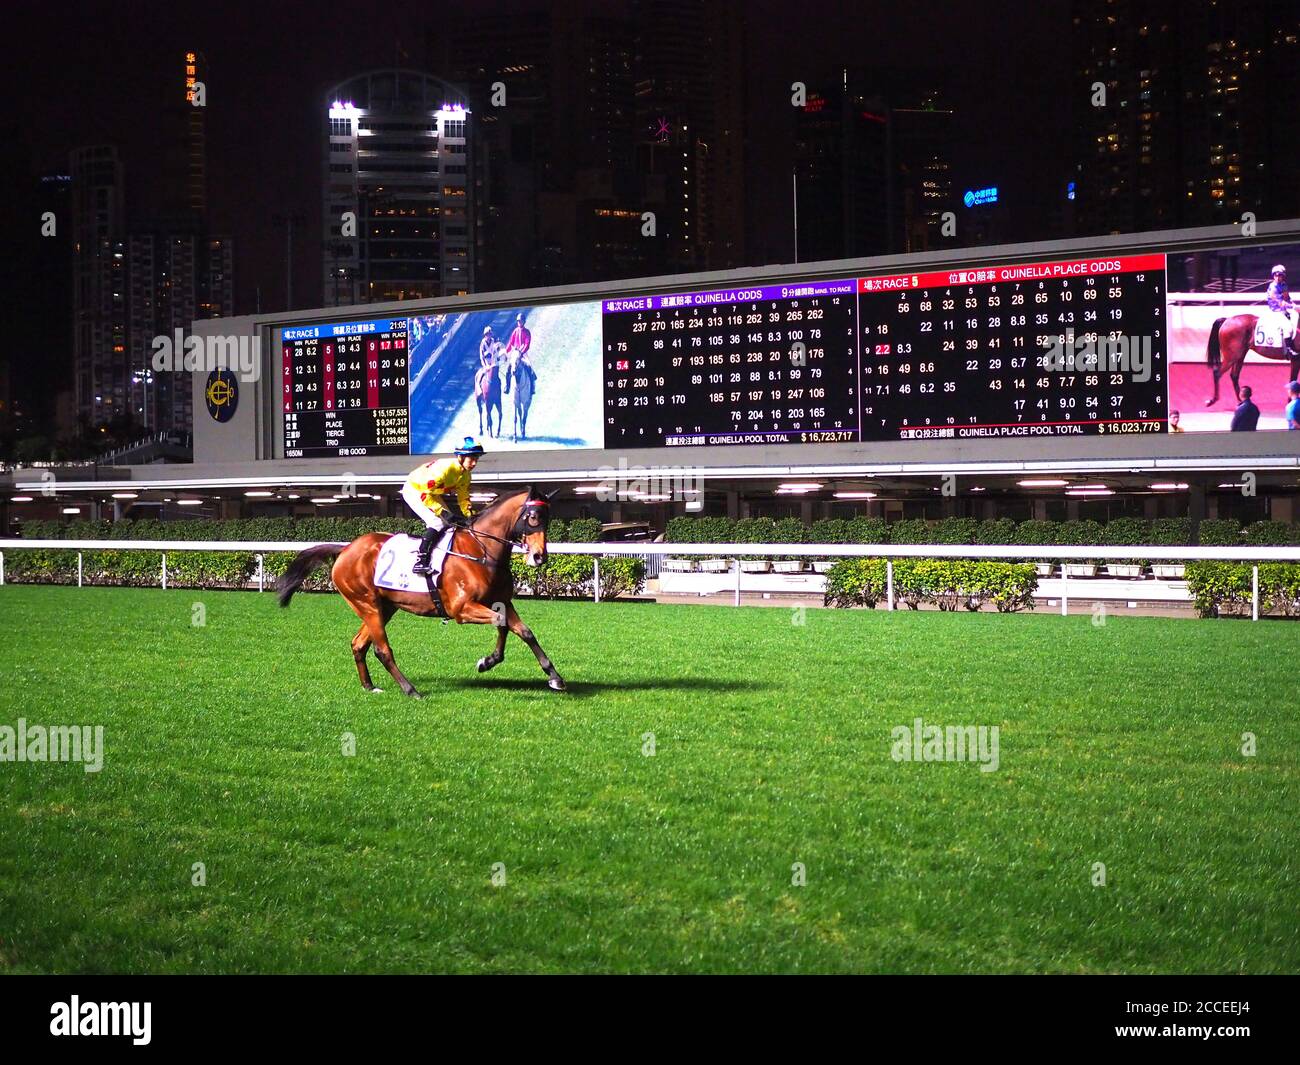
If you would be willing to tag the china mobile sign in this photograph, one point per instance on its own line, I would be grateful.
(977, 197)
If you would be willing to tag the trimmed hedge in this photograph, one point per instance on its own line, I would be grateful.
(570, 576)
(1122, 532)
(949, 584)
(228, 569)
(1222, 589)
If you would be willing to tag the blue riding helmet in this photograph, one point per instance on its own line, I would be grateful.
(469, 448)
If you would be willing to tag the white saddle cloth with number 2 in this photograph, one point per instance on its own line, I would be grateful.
(397, 557)
(1274, 328)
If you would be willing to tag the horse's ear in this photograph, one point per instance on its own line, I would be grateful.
(532, 492)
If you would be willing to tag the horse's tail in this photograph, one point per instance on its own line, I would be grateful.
(301, 566)
(1213, 356)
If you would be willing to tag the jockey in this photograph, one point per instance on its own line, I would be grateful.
(1279, 299)
(486, 348)
(521, 340)
(428, 492)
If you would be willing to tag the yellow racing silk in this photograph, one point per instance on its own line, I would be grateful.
(434, 480)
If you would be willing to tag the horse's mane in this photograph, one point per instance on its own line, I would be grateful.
(500, 501)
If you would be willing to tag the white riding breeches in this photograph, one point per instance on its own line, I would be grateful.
(425, 512)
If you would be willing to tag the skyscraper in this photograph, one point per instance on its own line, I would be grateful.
(99, 294)
(871, 155)
(1183, 113)
(399, 204)
(137, 278)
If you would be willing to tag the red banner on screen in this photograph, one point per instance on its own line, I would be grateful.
(986, 275)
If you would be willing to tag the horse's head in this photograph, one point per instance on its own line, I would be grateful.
(531, 525)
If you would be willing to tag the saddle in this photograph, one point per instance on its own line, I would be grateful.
(393, 567)
(1274, 328)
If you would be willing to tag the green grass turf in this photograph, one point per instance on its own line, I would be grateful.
(1119, 744)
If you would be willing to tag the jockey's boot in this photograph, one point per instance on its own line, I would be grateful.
(427, 541)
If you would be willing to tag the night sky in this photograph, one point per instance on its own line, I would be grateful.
(99, 72)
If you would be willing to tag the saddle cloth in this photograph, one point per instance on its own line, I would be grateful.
(397, 556)
(1273, 328)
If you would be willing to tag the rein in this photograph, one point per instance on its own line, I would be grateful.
(477, 534)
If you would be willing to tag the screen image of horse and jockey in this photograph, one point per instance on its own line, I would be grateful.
(1232, 329)
(514, 378)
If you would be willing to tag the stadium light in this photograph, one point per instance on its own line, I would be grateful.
(1170, 486)
(855, 495)
(258, 493)
(1090, 492)
(1043, 482)
(20, 499)
(71, 510)
(189, 502)
(125, 495)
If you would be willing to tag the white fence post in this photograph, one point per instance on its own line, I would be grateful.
(889, 581)
(164, 571)
(261, 573)
(736, 563)
(595, 578)
(2, 569)
(1065, 592)
(1254, 593)
(78, 569)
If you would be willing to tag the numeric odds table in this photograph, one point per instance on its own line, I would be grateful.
(966, 353)
(962, 353)
(345, 389)
(765, 365)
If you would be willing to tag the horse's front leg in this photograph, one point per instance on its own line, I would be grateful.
(499, 655)
(521, 630)
(482, 614)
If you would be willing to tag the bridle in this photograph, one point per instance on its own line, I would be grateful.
(534, 514)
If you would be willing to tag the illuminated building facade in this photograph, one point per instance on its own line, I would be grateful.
(399, 204)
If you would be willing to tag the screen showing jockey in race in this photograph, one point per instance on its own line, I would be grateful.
(515, 378)
(1156, 342)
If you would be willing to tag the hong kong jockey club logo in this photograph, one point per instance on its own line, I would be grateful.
(222, 395)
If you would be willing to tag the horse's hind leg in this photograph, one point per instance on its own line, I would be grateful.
(384, 652)
(360, 645)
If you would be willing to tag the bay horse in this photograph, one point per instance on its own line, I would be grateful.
(1225, 351)
(475, 587)
(487, 393)
(524, 378)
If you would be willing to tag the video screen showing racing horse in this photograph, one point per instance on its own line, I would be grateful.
(1233, 348)
(514, 378)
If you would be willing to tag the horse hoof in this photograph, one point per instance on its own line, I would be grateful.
(375, 691)
(414, 694)
(556, 684)
(484, 665)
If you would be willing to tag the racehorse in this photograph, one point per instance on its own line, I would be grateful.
(1225, 352)
(524, 378)
(476, 585)
(487, 392)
